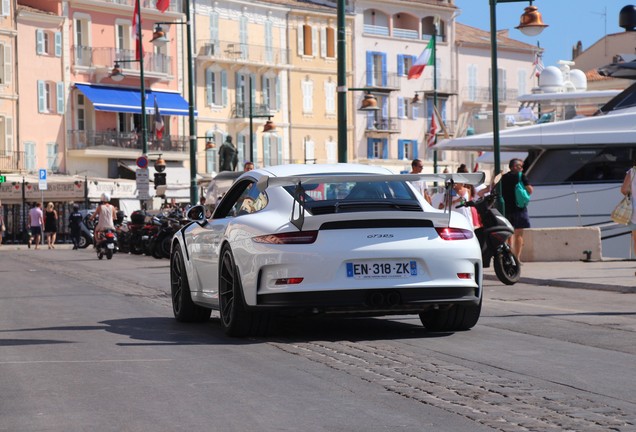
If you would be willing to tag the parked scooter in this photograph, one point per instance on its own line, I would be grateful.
(493, 238)
(106, 244)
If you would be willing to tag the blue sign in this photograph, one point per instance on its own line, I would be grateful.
(42, 174)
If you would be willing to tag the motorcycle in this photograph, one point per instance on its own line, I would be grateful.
(106, 244)
(493, 238)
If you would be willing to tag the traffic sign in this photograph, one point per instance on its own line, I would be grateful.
(42, 183)
(142, 161)
(143, 183)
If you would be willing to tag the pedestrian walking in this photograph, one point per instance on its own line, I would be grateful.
(50, 225)
(75, 224)
(518, 216)
(36, 221)
(628, 187)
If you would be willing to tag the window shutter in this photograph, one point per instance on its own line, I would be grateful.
(400, 61)
(400, 106)
(301, 40)
(58, 44)
(332, 152)
(7, 64)
(401, 149)
(277, 101)
(385, 149)
(214, 29)
(279, 144)
(415, 152)
(315, 41)
(370, 148)
(384, 71)
(59, 93)
(41, 96)
(224, 88)
(310, 151)
(8, 137)
(39, 41)
(266, 143)
(415, 110)
(6, 7)
(323, 42)
(265, 95)
(208, 87)
(369, 68)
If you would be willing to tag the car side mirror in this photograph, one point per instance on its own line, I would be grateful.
(196, 213)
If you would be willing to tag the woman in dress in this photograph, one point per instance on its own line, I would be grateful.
(628, 188)
(50, 225)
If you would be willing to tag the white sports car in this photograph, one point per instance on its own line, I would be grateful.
(327, 239)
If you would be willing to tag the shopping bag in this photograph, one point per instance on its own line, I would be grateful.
(622, 214)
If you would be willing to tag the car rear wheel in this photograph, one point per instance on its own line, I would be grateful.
(456, 318)
(183, 307)
(236, 320)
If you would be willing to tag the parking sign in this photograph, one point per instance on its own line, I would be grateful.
(42, 184)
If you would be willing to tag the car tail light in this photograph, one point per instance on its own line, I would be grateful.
(289, 281)
(449, 233)
(298, 237)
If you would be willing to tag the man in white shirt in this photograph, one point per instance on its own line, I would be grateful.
(420, 185)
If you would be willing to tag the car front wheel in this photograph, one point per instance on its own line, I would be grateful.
(236, 320)
(183, 307)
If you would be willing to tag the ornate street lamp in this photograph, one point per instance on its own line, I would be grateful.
(530, 24)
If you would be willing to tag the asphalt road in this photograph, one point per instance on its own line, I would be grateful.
(88, 345)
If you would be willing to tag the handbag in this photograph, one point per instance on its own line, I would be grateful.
(522, 197)
(622, 213)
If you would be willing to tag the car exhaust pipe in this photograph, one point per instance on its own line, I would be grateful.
(393, 298)
(376, 299)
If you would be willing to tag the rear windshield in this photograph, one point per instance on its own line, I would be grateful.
(328, 197)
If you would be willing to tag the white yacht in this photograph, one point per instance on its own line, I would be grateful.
(576, 167)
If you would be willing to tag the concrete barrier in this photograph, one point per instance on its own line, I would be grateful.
(561, 244)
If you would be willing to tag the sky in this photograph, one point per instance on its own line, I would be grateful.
(569, 21)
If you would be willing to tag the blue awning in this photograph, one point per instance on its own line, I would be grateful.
(128, 100)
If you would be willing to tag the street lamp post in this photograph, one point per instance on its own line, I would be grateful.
(116, 75)
(160, 39)
(269, 126)
(531, 24)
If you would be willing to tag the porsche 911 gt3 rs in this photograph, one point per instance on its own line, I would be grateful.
(327, 239)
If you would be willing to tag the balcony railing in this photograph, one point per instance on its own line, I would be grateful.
(11, 161)
(124, 141)
(175, 5)
(387, 81)
(106, 57)
(242, 110)
(375, 30)
(383, 125)
(405, 33)
(484, 94)
(238, 52)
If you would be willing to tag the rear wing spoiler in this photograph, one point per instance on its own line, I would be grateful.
(297, 217)
(451, 178)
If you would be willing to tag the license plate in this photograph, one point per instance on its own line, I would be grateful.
(110, 246)
(381, 269)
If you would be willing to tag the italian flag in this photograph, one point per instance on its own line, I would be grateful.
(425, 59)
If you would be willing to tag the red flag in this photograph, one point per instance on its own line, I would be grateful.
(139, 49)
(425, 59)
(433, 132)
(158, 121)
(163, 5)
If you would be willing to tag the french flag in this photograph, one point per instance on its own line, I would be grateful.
(158, 121)
(425, 59)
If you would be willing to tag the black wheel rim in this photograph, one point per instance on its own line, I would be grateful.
(226, 289)
(176, 282)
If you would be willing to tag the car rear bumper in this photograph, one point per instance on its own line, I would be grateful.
(372, 301)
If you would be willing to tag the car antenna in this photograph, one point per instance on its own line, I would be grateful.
(299, 197)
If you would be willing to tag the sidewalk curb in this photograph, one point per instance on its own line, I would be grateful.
(569, 284)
